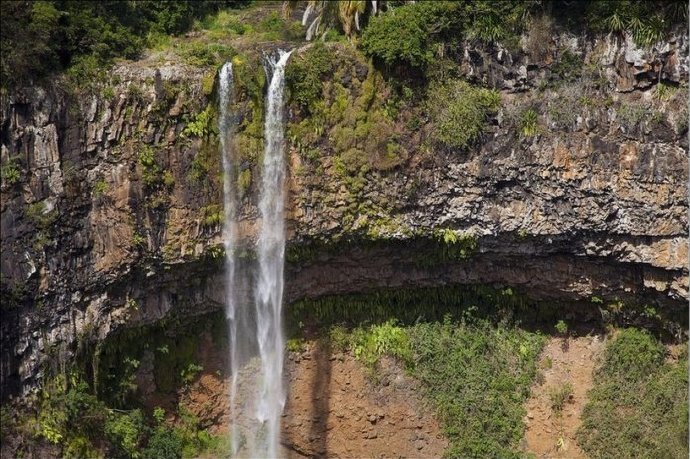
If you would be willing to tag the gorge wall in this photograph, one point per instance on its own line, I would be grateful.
(111, 196)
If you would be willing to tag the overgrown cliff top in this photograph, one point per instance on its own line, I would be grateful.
(41, 38)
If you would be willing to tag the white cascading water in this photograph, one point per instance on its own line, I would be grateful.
(225, 89)
(268, 296)
(257, 396)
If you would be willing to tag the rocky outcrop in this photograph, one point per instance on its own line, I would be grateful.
(110, 203)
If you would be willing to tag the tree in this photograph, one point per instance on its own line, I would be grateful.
(348, 16)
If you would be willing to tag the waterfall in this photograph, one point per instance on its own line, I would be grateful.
(225, 89)
(257, 343)
(268, 295)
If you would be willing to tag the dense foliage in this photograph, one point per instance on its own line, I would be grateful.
(41, 37)
(415, 34)
(459, 112)
(305, 73)
(639, 405)
(477, 375)
(648, 21)
(76, 422)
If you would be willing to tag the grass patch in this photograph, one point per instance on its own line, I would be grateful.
(460, 112)
(639, 404)
(559, 396)
(305, 73)
(476, 374)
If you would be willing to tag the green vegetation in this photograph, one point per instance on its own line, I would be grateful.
(409, 306)
(639, 404)
(561, 327)
(305, 74)
(212, 215)
(40, 37)
(72, 418)
(559, 396)
(454, 246)
(168, 179)
(40, 215)
(138, 240)
(69, 415)
(80, 424)
(529, 123)
(244, 181)
(10, 172)
(460, 112)
(125, 431)
(411, 35)
(384, 40)
(203, 123)
(151, 171)
(250, 81)
(175, 362)
(205, 167)
(200, 53)
(477, 368)
(476, 375)
(631, 116)
(354, 117)
(370, 343)
(648, 21)
(568, 67)
(99, 188)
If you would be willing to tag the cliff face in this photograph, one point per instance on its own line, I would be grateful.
(111, 200)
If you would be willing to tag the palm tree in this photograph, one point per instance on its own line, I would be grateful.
(320, 15)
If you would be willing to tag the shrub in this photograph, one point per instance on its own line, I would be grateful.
(42, 37)
(168, 179)
(454, 246)
(632, 355)
(663, 91)
(409, 35)
(165, 443)
(529, 123)
(99, 188)
(647, 21)
(151, 171)
(40, 215)
(212, 215)
(401, 37)
(275, 27)
(125, 432)
(304, 75)
(70, 415)
(459, 112)
(478, 378)
(561, 327)
(200, 54)
(189, 374)
(202, 125)
(568, 67)
(10, 173)
(559, 396)
(369, 344)
(638, 407)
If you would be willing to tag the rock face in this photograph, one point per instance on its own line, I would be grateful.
(111, 202)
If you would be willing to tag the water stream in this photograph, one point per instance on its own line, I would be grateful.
(254, 312)
(271, 254)
(232, 301)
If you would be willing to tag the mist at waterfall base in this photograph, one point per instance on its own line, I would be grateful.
(254, 290)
